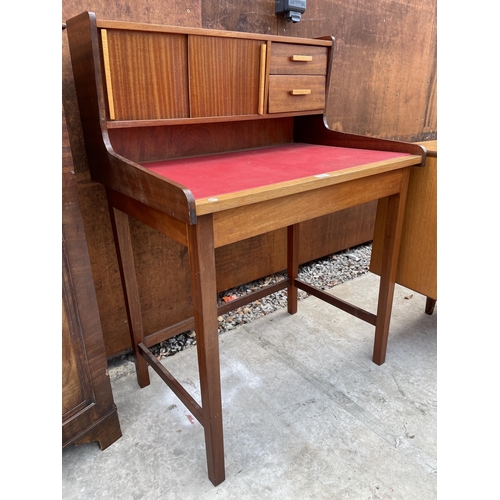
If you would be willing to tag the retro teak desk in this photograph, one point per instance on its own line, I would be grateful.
(211, 137)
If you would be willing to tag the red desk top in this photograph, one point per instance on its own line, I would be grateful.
(224, 173)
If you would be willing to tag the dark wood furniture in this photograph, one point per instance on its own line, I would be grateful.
(417, 266)
(88, 410)
(211, 137)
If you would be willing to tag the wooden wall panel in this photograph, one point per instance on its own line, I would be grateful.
(388, 49)
(250, 16)
(384, 85)
(384, 75)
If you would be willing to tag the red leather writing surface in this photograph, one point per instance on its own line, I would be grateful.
(218, 174)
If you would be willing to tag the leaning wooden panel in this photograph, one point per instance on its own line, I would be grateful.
(88, 409)
(417, 268)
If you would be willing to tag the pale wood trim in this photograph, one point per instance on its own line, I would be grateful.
(262, 78)
(218, 203)
(107, 73)
(268, 72)
(299, 58)
(123, 25)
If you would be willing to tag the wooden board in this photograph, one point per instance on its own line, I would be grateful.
(417, 268)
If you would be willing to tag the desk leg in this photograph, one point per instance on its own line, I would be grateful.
(292, 266)
(392, 239)
(204, 290)
(123, 245)
(430, 304)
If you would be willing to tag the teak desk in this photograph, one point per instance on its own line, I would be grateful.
(211, 137)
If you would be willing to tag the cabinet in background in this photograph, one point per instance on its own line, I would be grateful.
(88, 410)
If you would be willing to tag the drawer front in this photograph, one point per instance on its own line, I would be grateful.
(296, 93)
(295, 59)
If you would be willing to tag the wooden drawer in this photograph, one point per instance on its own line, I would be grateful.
(295, 59)
(296, 93)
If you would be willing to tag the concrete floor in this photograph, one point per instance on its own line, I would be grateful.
(307, 415)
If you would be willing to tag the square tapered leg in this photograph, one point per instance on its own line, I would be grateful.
(202, 264)
(392, 239)
(123, 245)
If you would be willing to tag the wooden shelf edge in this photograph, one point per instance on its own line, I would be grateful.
(112, 124)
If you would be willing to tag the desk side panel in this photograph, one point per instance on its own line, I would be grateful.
(313, 130)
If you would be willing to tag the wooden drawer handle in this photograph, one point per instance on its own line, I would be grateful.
(301, 58)
(300, 91)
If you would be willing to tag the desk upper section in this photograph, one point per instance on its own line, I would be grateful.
(155, 73)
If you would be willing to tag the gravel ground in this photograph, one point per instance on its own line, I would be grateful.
(323, 273)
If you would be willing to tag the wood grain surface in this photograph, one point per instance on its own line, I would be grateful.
(417, 267)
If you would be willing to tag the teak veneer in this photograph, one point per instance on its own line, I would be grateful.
(211, 137)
